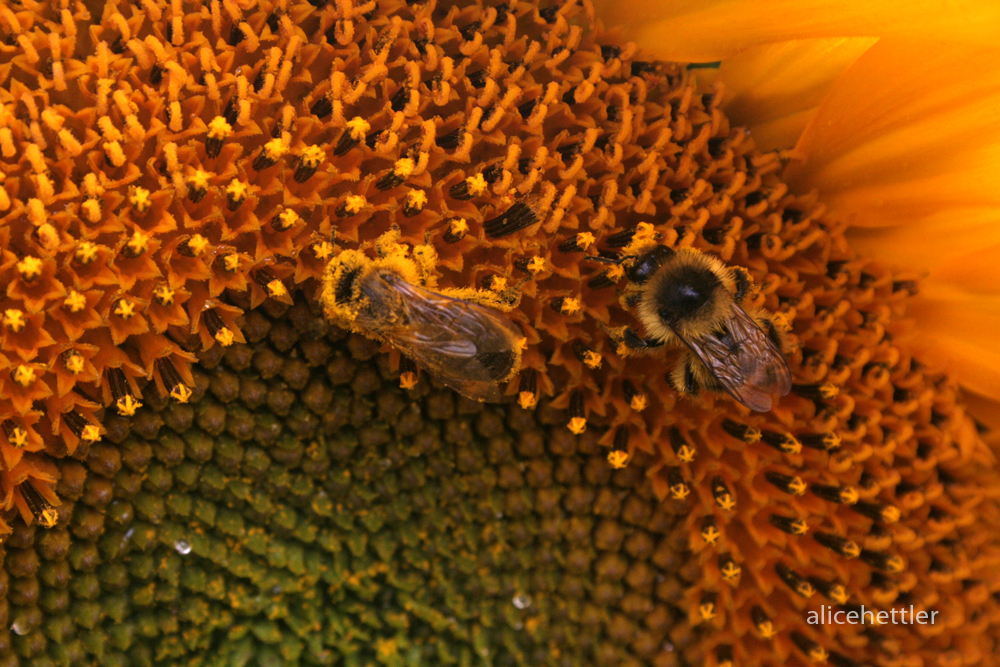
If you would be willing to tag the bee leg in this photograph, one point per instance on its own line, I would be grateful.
(690, 376)
(682, 378)
(634, 342)
(766, 322)
(742, 282)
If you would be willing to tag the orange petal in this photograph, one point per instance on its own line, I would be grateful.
(908, 132)
(940, 243)
(707, 30)
(961, 329)
(987, 412)
(775, 89)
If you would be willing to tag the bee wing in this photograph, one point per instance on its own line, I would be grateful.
(467, 346)
(746, 363)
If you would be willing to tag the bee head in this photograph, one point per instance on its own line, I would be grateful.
(648, 263)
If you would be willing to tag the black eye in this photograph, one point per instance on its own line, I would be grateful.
(647, 265)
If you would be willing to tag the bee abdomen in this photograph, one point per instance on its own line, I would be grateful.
(498, 364)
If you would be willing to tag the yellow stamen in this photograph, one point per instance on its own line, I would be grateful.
(592, 359)
(403, 167)
(13, 319)
(274, 149)
(197, 244)
(163, 295)
(731, 571)
(312, 156)
(30, 268)
(138, 244)
(570, 306)
(358, 127)
(24, 375)
(237, 190)
(199, 180)
(354, 203)
(225, 336)
(408, 380)
(476, 185)
(127, 405)
(181, 393)
(416, 199)
(74, 362)
(140, 200)
(618, 459)
(75, 302)
(276, 288)
(685, 453)
(219, 128)
(125, 309)
(287, 219)
(86, 252)
(322, 250)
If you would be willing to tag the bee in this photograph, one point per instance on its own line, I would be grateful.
(684, 296)
(459, 335)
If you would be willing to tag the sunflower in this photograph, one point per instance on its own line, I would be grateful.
(198, 468)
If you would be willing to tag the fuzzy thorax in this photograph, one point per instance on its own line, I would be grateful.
(690, 296)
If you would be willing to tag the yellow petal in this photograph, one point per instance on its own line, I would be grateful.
(775, 89)
(909, 131)
(708, 30)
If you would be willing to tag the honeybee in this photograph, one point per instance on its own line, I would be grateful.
(459, 335)
(692, 298)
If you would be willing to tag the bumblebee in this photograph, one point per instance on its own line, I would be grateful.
(460, 336)
(688, 297)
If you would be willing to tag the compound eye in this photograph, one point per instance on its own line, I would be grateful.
(647, 265)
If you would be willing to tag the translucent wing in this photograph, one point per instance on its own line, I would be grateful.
(744, 361)
(467, 346)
